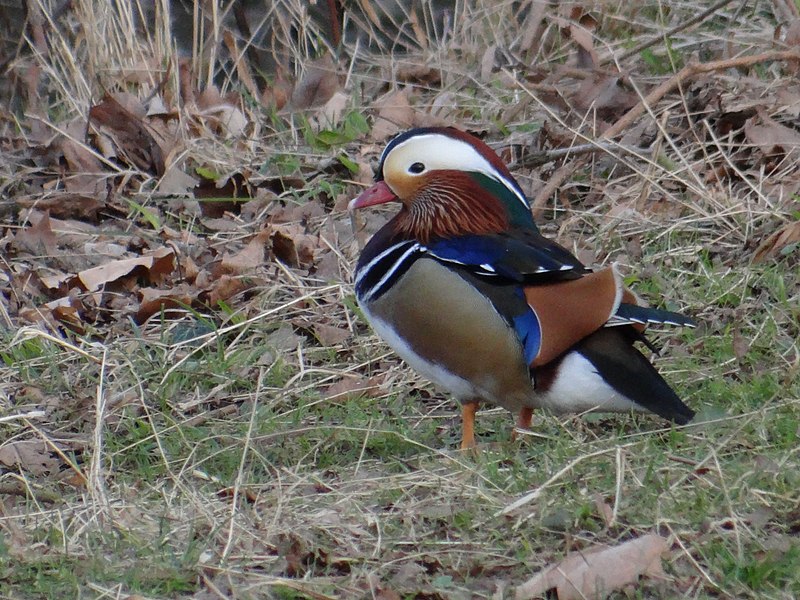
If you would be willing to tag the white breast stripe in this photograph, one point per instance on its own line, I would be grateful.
(365, 269)
(389, 272)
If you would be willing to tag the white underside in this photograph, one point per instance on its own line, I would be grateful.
(579, 388)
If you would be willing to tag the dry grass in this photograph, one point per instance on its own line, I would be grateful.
(205, 454)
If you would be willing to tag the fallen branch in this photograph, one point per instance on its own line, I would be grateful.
(555, 181)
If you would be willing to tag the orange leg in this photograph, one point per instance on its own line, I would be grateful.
(468, 410)
(524, 419)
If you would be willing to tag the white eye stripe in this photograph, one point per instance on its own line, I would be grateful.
(437, 151)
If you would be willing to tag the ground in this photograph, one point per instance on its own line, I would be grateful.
(192, 405)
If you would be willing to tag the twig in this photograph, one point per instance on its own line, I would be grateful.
(34, 414)
(542, 157)
(678, 28)
(561, 174)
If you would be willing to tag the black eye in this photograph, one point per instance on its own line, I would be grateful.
(416, 168)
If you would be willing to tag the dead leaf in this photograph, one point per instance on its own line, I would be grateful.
(33, 456)
(121, 118)
(328, 335)
(741, 346)
(394, 114)
(793, 39)
(250, 258)
(157, 264)
(63, 205)
(770, 136)
(331, 112)
(604, 509)
(277, 93)
(291, 245)
(153, 300)
(54, 282)
(606, 95)
(221, 112)
(85, 174)
(420, 74)
(38, 239)
(67, 310)
(348, 388)
(175, 182)
(587, 56)
(227, 286)
(599, 570)
(298, 213)
(328, 267)
(284, 338)
(317, 86)
(488, 62)
(385, 593)
(783, 238)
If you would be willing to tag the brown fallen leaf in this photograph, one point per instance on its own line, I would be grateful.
(597, 571)
(154, 300)
(604, 509)
(65, 205)
(330, 114)
(328, 335)
(222, 113)
(157, 264)
(33, 456)
(785, 236)
(740, 343)
(38, 239)
(121, 117)
(67, 310)
(225, 287)
(291, 245)
(84, 170)
(277, 93)
(56, 281)
(606, 95)
(250, 258)
(792, 39)
(419, 73)
(771, 137)
(176, 183)
(394, 114)
(587, 55)
(347, 388)
(318, 85)
(385, 593)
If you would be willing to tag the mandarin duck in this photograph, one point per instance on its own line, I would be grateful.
(465, 289)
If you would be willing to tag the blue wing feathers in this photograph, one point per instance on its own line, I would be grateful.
(530, 334)
(516, 260)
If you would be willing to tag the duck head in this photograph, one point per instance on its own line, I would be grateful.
(449, 183)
